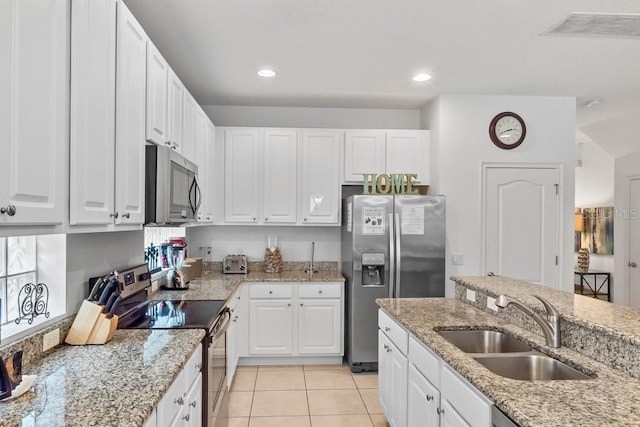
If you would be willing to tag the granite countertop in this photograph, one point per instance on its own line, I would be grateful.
(117, 384)
(612, 398)
(218, 286)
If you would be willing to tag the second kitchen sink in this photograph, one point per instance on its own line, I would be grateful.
(484, 341)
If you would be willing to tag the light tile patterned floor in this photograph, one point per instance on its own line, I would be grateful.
(304, 396)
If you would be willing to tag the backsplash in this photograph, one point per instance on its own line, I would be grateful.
(216, 266)
(31, 345)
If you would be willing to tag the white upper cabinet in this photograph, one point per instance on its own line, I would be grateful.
(189, 118)
(130, 118)
(364, 153)
(208, 181)
(93, 111)
(319, 174)
(391, 151)
(175, 100)
(201, 156)
(34, 113)
(408, 152)
(157, 86)
(241, 153)
(280, 175)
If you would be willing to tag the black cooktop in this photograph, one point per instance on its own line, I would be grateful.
(188, 314)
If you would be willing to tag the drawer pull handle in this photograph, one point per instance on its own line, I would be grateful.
(387, 329)
(179, 401)
(429, 397)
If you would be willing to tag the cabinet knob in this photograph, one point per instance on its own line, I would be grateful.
(305, 219)
(387, 329)
(167, 143)
(114, 215)
(9, 210)
(126, 215)
(320, 291)
(429, 397)
(289, 305)
(440, 411)
(254, 218)
(235, 319)
(174, 146)
(266, 219)
(179, 401)
(186, 417)
(193, 404)
(270, 292)
(385, 347)
(633, 264)
(301, 305)
(388, 349)
(199, 366)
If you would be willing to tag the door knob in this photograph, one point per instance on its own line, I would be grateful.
(633, 264)
(9, 210)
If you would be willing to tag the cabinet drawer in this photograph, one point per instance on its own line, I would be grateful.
(320, 290)
(173, 401)
(467, 401)
(234, 301)
(271, 290)
(394, 331)
(425, 361)
(193, 366)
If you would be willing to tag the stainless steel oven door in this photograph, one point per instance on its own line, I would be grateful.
(217, 364)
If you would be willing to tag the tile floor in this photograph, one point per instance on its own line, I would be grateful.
(298, 396)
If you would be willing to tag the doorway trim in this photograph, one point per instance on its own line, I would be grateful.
(559, 168)
(621, 231)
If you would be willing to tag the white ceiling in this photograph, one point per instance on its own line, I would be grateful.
(363, 53)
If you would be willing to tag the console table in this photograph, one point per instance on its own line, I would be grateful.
(593, 287)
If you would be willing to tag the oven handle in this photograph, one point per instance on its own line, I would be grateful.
(221, 325)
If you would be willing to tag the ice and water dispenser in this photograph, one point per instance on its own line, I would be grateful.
(372, 269)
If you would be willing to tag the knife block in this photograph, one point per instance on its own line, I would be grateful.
(91, 326)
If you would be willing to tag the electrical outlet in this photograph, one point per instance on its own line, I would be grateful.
(155, 285)
(471, 295)
(491, 304)
(457, 259)
(51, 339)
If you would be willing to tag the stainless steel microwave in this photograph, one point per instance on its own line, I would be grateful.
(172, 193)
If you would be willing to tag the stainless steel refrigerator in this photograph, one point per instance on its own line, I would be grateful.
(392, 247)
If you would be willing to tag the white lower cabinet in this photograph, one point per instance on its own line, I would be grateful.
(421, 389)
(423, 400)
(182, 403)
(296, 319)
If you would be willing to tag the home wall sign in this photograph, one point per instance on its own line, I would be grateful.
(396, 183)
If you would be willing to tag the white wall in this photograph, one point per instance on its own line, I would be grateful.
(295, 242)
(463, 145)
(95, 254)
(625, 168)
(344, 118)
(594, 188)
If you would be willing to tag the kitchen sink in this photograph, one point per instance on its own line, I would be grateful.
(530, 367)
(484, 341)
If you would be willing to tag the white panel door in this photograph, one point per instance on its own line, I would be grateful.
(130, 117)
(241, 154)
(364, 152)
(423, 401)
(280, 176)
(449, 417)
(319, 326)
(157, 86)
(634, 244)
(189, 117)
(408, 152)
(320, 176)
(34, 112)
(270, 327)
(93, 112)
(521, 224)
(175, 100)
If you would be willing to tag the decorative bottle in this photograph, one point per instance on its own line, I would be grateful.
(272, 256)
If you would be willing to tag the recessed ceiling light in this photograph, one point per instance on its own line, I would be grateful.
(265, 72)
(423, 77)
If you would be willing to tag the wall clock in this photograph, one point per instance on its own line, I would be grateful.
(507, 130)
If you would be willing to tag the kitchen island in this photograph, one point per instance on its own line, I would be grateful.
(610, 397)
(116, 384)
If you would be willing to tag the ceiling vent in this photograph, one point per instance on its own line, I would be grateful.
(598, 25)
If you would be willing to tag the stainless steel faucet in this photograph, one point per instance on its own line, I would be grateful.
(313, 250)
(550, 325)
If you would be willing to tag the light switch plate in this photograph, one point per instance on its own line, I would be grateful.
(491, 304)
(51, 339)
(471, 295)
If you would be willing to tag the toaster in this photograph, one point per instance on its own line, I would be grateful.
(235, 264)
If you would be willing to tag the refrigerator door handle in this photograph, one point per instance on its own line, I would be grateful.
(398, 256)
(392, 255)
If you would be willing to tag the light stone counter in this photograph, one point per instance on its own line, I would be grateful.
(117, 384)
(218, 286)
(611, 399)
